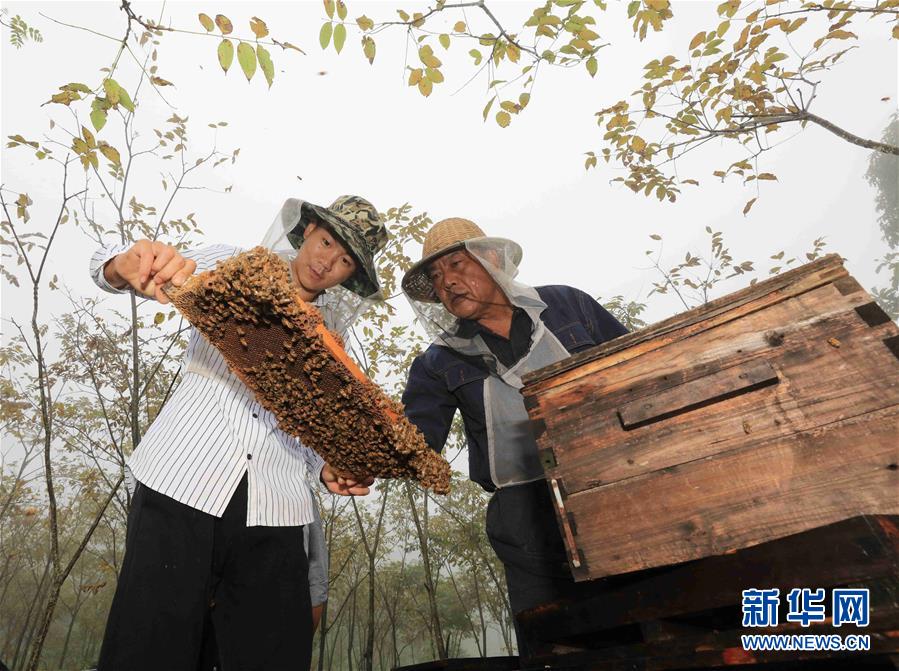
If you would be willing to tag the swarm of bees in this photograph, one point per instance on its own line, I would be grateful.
(273, 341)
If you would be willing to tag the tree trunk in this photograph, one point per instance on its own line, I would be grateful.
(322, 635)
(24, 635)
(59, 577)
(350, 631)
(65, 645)
(368, 660)
(482, 650)
(430, 586)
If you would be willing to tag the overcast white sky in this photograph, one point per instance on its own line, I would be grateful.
(360, 129)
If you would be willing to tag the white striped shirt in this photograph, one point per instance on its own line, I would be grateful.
(212, 431)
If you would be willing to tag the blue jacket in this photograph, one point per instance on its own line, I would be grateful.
(442, 381)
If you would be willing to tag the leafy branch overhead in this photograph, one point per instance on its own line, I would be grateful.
(19, 31)
(247, 56)
(741, 85)
(115, 97)
(252, 53)
(754, 71)
(559, 33)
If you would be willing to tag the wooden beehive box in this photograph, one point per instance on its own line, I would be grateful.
(762, 414)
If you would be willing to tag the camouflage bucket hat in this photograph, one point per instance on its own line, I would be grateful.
(358, 225)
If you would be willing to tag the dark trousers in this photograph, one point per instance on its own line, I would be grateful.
(185, 572)
(523, 531)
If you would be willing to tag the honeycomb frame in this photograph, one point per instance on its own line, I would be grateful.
(277, 345)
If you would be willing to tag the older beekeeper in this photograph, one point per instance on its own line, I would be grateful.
(489, 330)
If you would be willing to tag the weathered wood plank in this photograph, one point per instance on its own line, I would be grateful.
(733, 306)
(718, 386)
(820, 384)
(758, 332)
(717, 504)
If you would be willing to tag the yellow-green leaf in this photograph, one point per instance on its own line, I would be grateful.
(434, 75)
(226, 54)
(247, 59)
(368, 48)
(339, 37)
(88, 138)
(206, 22)
(425, 86)
(65, 97)
(75, 86)
(365, 23)
(116, 95)
(98, 119)
(329, 8)
(657, 5)
(638, 144)
(125, 100)
(476, 55)
(426, 54)
(698, 39)
(488, 106)
(444, 41)
(79, 146)
(728, 8)
(592, 66)
(503, 118)
(265, 64)
(111, 153)
(158, 318)
(324, 35)
(112, 89)
(258, 27)
(840, 34)
(341, 10)
(224, 23)
(415, 76)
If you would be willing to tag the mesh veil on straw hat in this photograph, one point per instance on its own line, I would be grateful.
(444, 237)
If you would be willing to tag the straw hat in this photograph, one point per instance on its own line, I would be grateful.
(444, 237)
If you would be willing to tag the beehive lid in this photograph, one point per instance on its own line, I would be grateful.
(733, 306)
